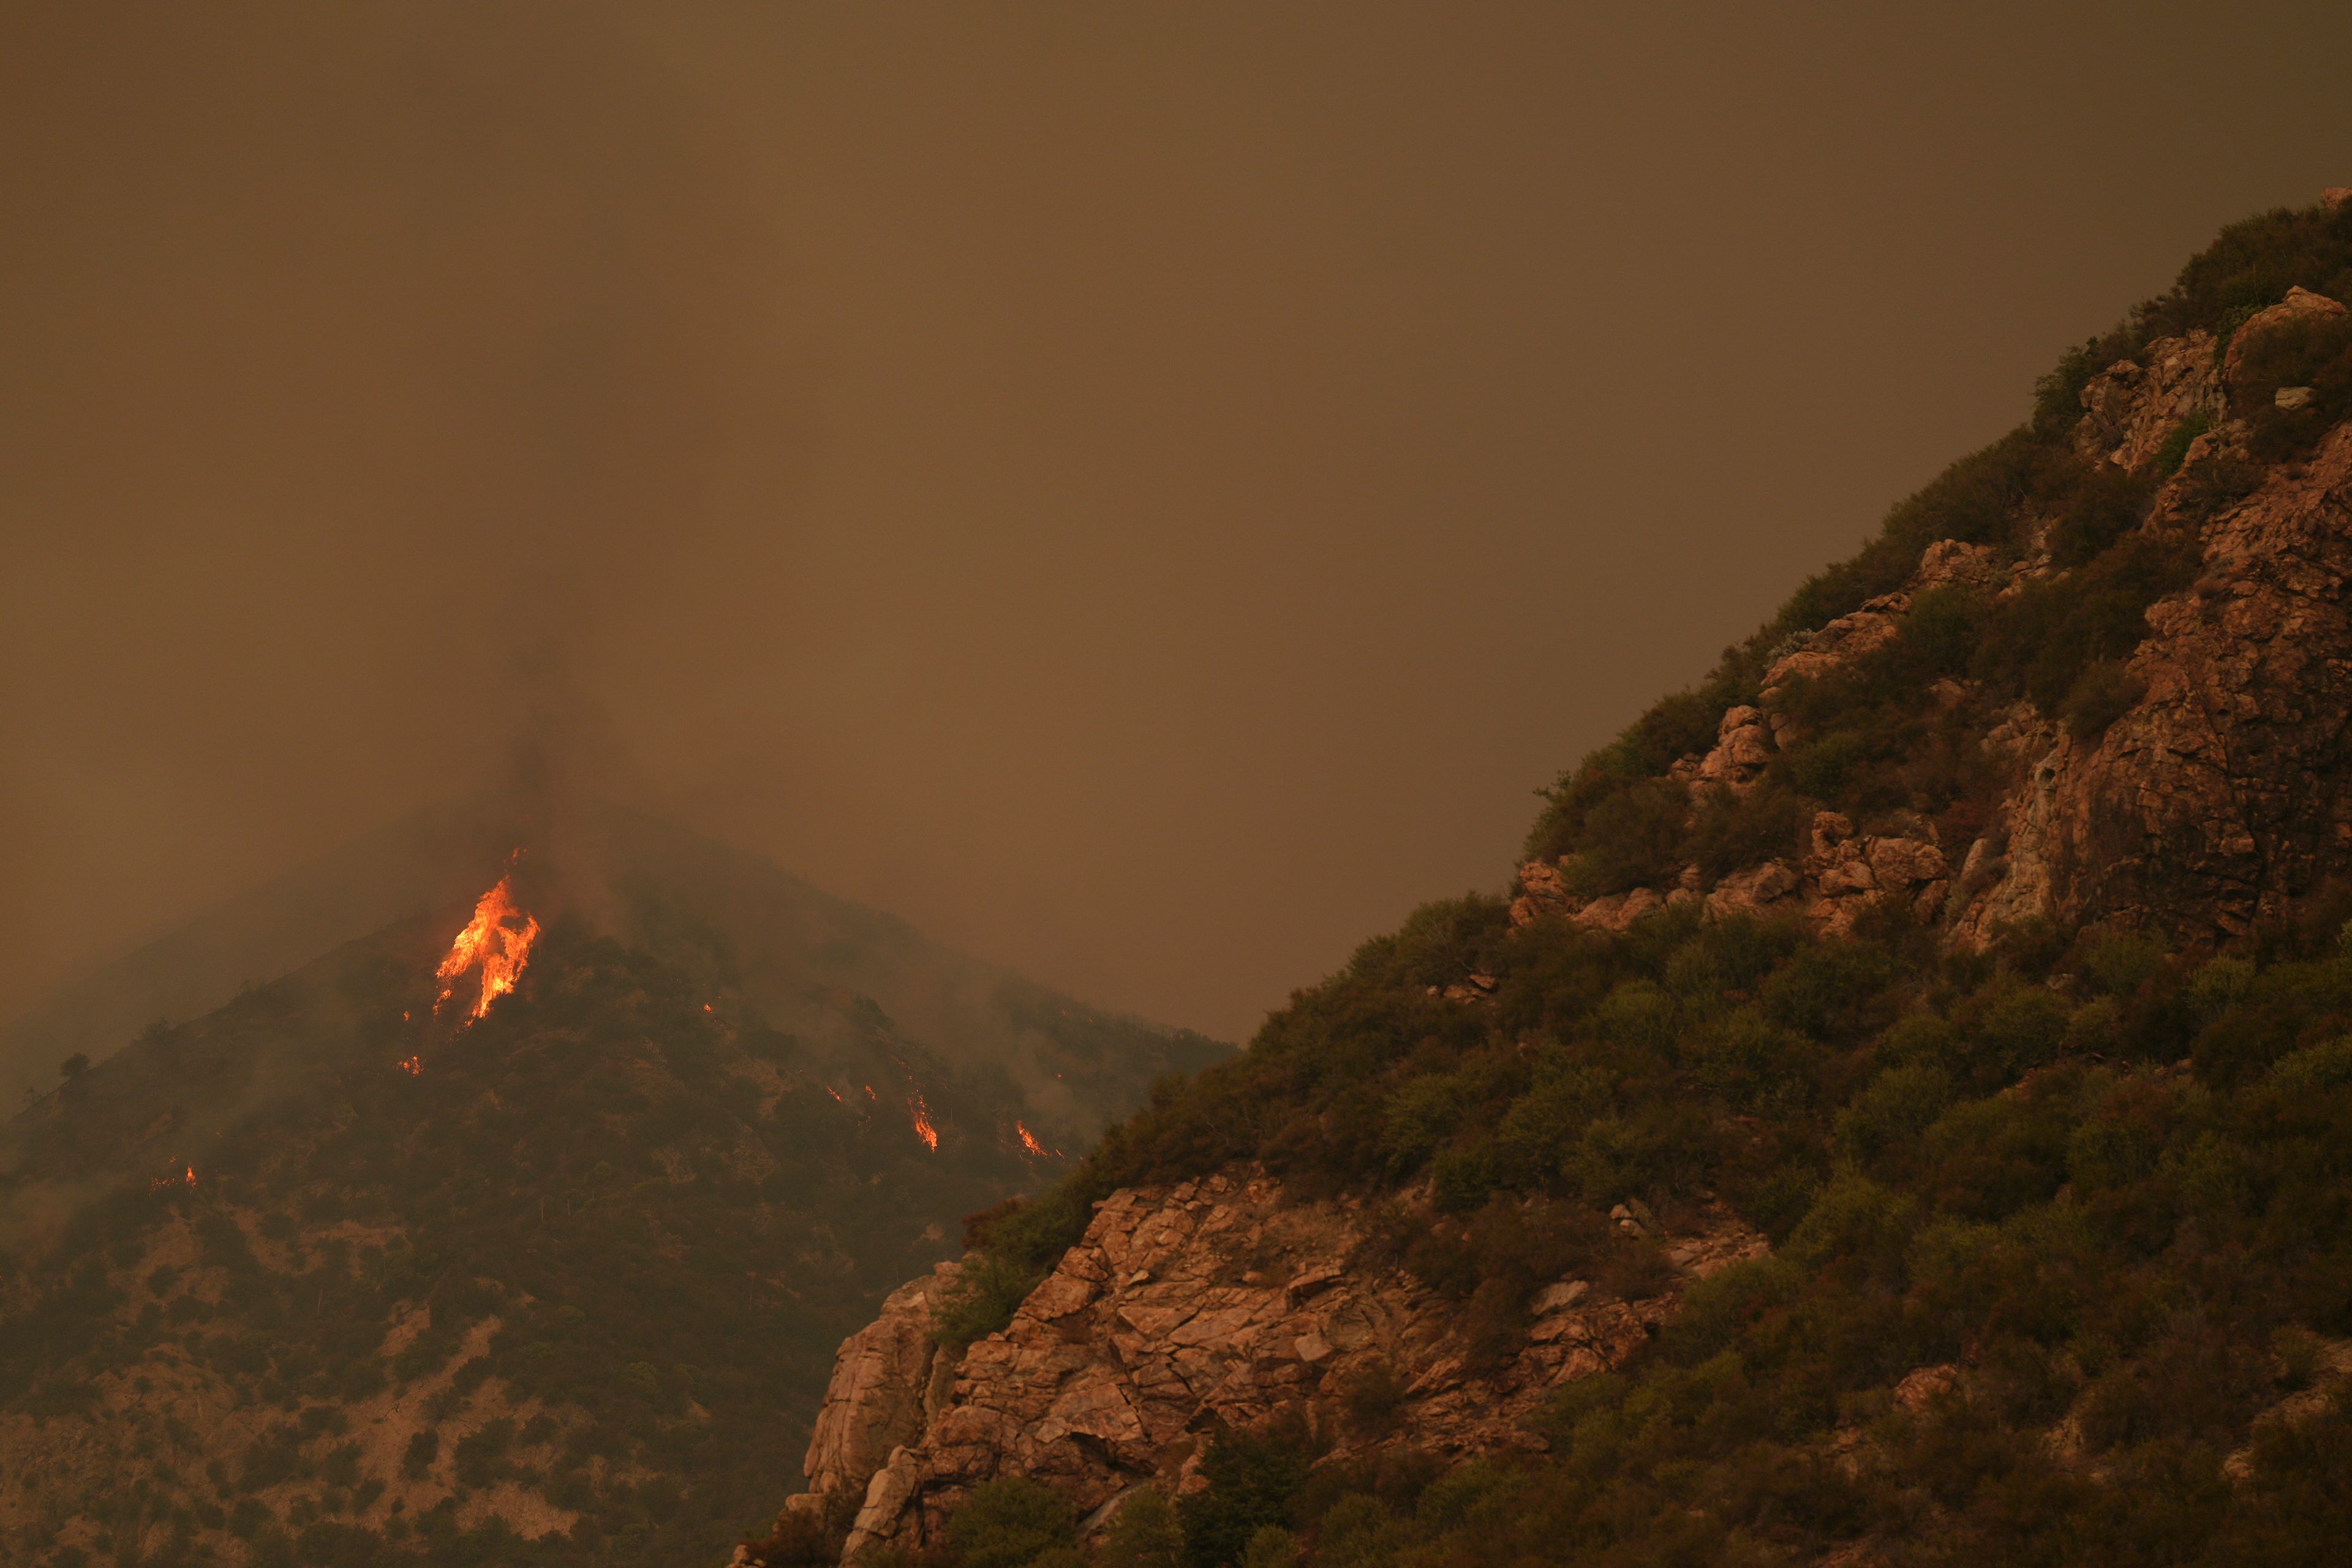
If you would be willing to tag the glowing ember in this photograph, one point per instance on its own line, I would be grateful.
(923, 1128)
(1029, 1141)
(186, 1178)
(836, 1095)
(496, 942)
(413, 1066)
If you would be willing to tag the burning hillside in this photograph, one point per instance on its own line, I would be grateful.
(494, 946)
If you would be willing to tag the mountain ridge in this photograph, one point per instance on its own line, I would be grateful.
(1976, 937)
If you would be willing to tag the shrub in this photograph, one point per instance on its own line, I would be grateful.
(1252, 1478)
(983, 1299)
(1632, 838)
(1900, 1103)
(1733, 830)
(1420, 1114)
(1143, 1533)
(2313, 354)
(2315, 1070)
(1744, 1058)
(2058, 396)
(2175, 450)
(2020, 1030)
(2044, 639)
(1008, 1523)
(2107, 506)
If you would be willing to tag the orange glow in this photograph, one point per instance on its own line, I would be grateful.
(413, 1066)
(836, 1095)
(496, 942)
(705, 1007)
(186, 1179)
(1029, 1141)
(923, 1128)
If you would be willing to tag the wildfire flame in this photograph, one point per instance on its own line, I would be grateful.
(1029, 1141)
(923, 1128)
(413, 1066)
(187, 1178)
(496, 942)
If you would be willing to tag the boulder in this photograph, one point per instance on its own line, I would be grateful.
(2300, 305)
(1220, 1302)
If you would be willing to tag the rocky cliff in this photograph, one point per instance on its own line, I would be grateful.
(2218, 796)
(1195, 1307)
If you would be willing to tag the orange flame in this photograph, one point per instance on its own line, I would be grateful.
(413, 1066)
(923, 1128)
(496, 942)
(1029, 1141)
(187, 1179)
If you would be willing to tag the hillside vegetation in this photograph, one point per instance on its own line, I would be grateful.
(322, 1279)
(2061, 1218)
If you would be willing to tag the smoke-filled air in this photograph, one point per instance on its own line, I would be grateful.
(1341, 786)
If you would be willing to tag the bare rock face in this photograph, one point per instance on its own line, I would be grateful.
(1218, 1303)
(877, 1400)
(1839, 642)
(1542, 891)
(1743, 750)
(2129, 408)
(2223, 795)
(2219, 798)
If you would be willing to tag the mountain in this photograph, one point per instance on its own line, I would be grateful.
(782, 936)
(529, 1245)
(1901, 1111)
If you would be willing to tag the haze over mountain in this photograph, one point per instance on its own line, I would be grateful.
(548, 1228)
(786, 937)
(1139, 491)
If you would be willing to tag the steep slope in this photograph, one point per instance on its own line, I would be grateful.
(1931, 1032)
(337, 1273)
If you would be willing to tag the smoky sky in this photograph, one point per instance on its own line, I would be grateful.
(1145, 492)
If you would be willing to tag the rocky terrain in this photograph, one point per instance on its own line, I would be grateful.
(1941, 1015)
(1189, 1308)
(2217, 798)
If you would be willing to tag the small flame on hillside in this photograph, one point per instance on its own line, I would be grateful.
(496, 942)
(184, 1178)
(923, 1128)
(1029, 1141)
(413, 1066)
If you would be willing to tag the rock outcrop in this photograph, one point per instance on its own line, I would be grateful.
(2130, 408)
(882, 1389)
(2223, 794)
(2218, 798)
(1191, 1306)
